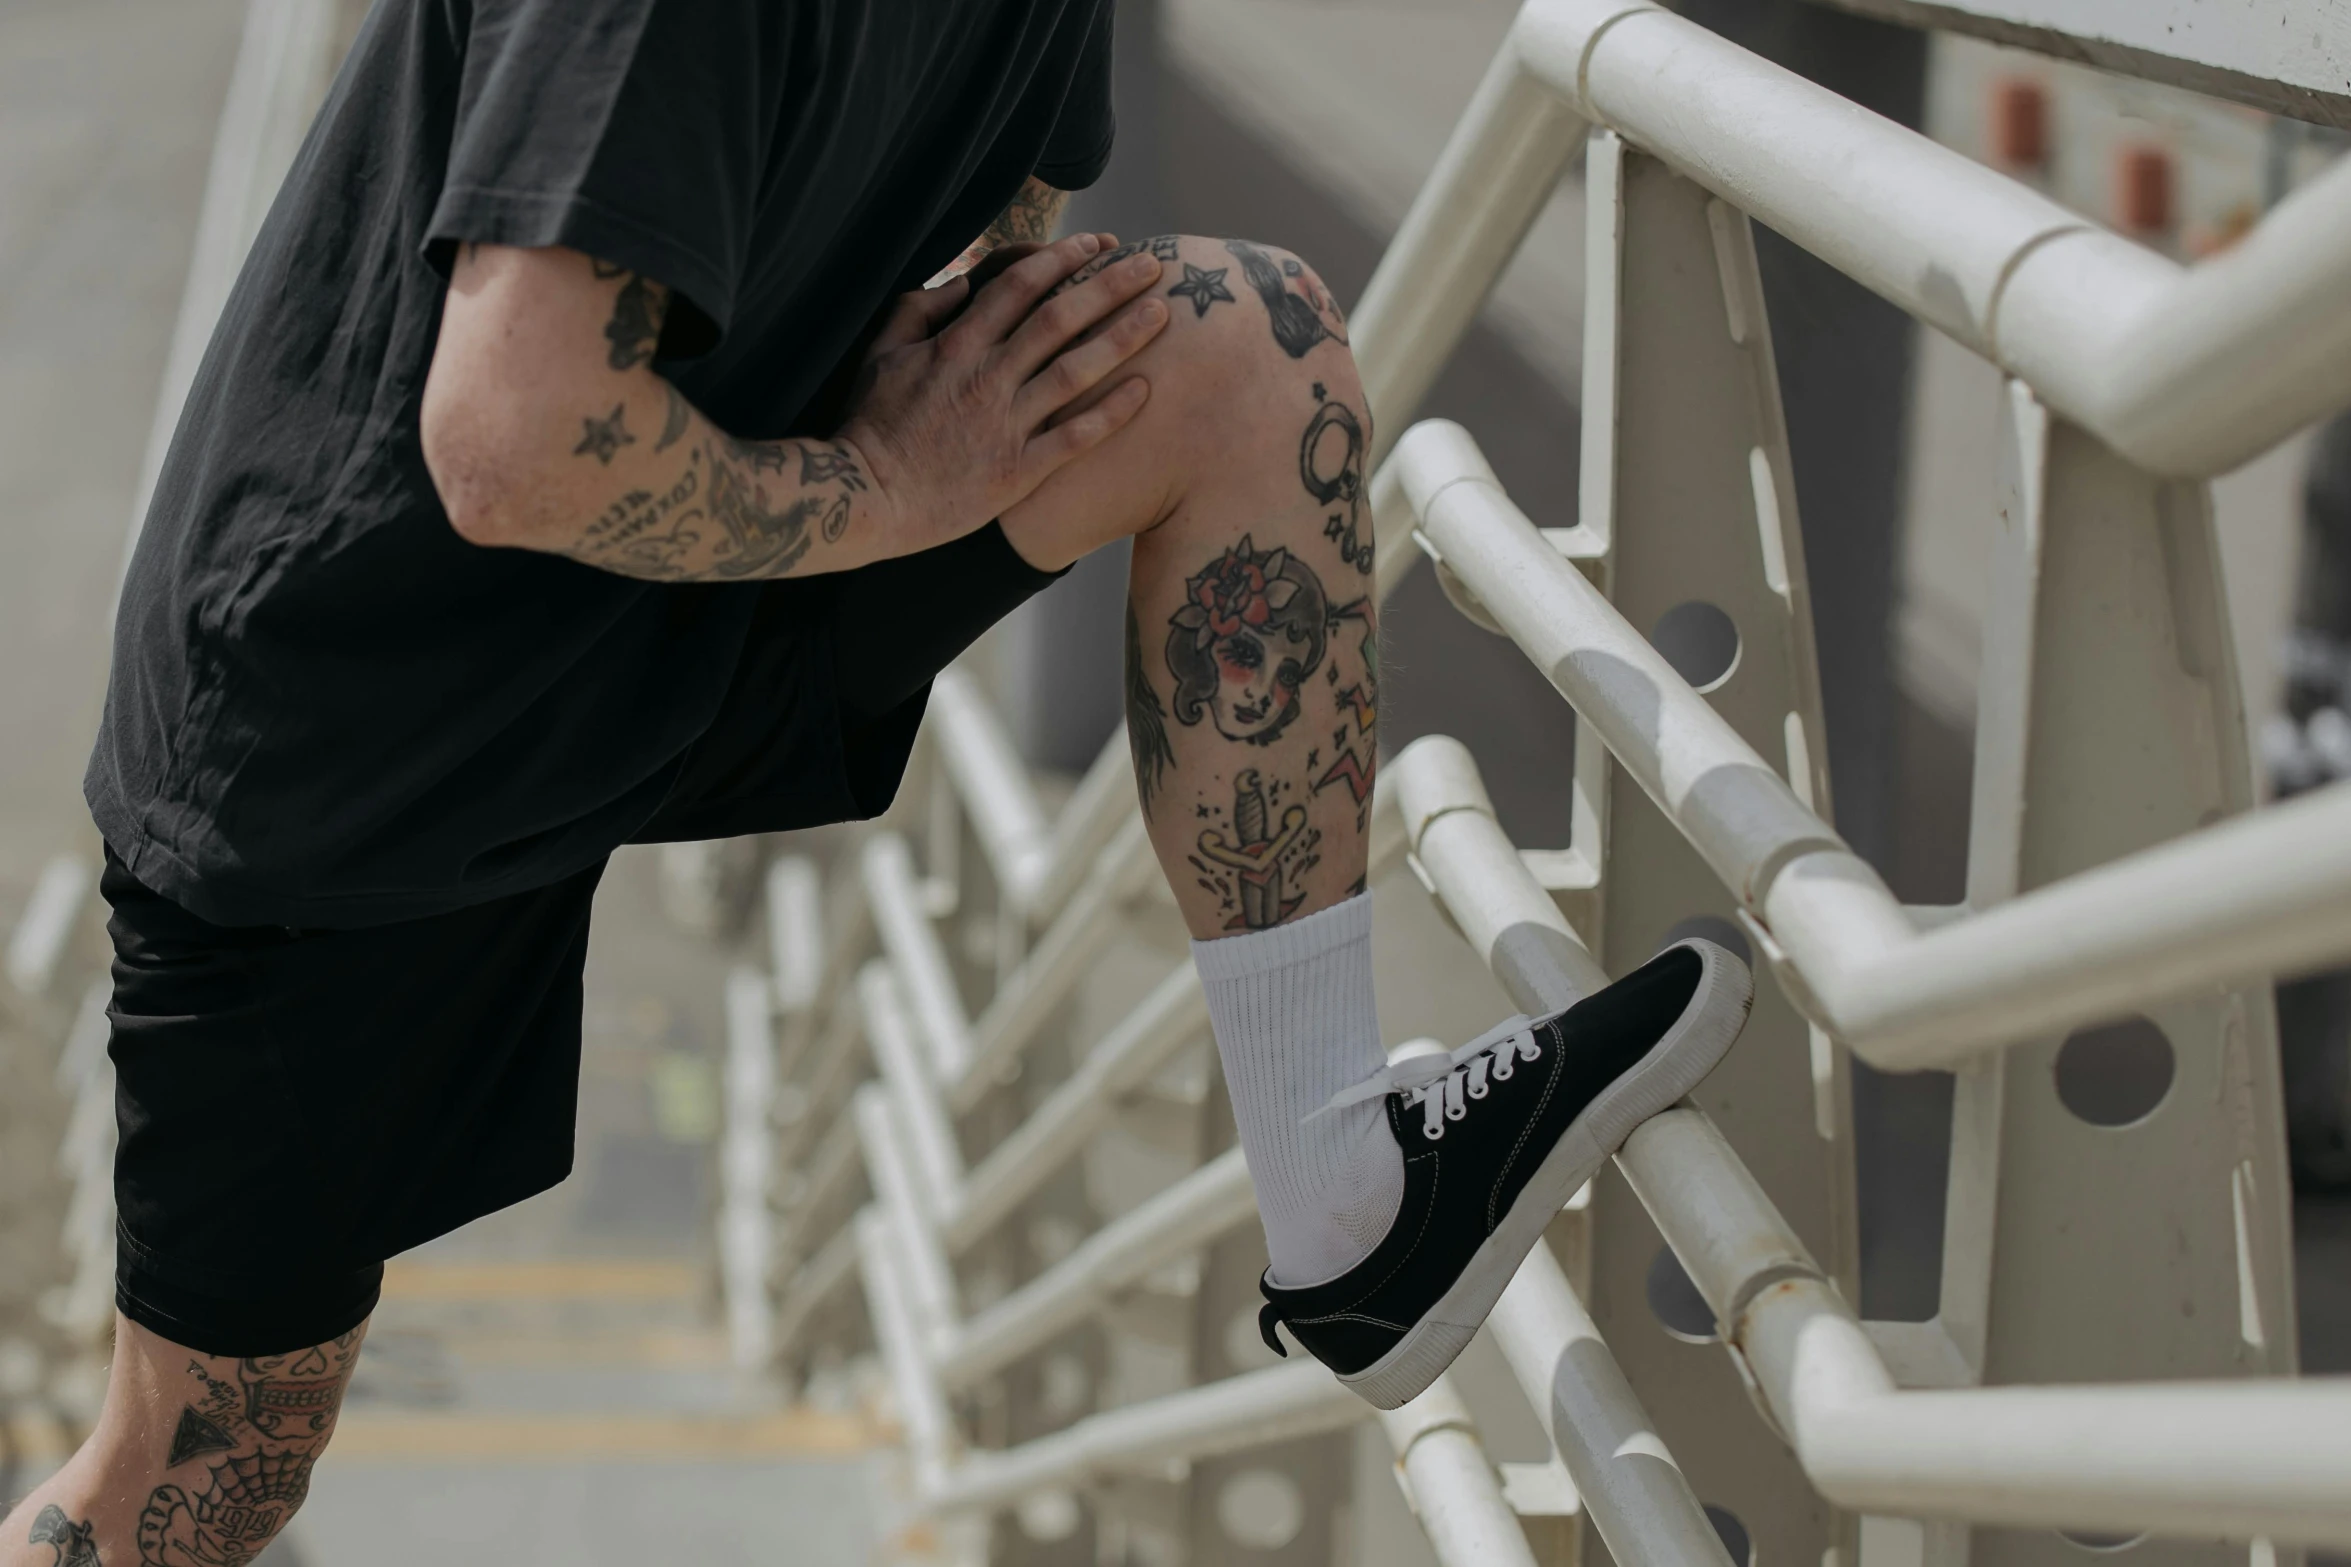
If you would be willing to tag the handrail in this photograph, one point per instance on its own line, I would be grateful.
(2260, 895)
(2187, 371)
(2250, 1457)
(997, 798)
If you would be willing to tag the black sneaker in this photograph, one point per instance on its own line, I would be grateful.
(1516, 1123)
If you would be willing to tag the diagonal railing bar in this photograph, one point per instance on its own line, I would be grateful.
(1210, 1202)
(2262, 895)
(1172, 1016)
(2250, 1458)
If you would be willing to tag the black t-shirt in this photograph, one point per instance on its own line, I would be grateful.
(327, 709)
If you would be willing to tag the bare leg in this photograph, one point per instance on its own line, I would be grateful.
(1252, 688)
(198, 1460)
(1252, 658)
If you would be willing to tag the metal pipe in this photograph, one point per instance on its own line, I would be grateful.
(746, 1233)
(38, 942)
(1636, 1494)
(906, 932)
(1497, 170)
(1738, 813)
(1028, 996)
(795, 931)
(929, 1282)
(1451, 1483)
(1510, 923)
(932, 1150)
(1173, 1223)
(986, 771)
(2260, 895)
(1166, 1020)
(2267, 893)
(836, 1159)
(931, 1436)
(1103, 802)
(2188, 372)
(2250, 1457)
(1250, 1410)
(812, 1284)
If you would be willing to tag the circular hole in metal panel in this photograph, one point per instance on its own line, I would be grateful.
(1699, 641)
(1675, 1302)
(2116, 1073)
(1706, 927)
(2104, 1542)
(1048, 1516)
(1261, 1508)
(1737, 1543)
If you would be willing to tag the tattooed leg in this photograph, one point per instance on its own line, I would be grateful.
(197, 1461)
(1252, 653)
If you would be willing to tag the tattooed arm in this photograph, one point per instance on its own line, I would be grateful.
(546, 427)
(1031, 219)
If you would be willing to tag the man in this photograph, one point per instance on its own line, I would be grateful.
(546, 488)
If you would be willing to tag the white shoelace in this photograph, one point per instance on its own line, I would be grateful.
(1443, 1085)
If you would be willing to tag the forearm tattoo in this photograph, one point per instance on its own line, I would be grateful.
(722, 509)
(1032, 217)
(637, 313)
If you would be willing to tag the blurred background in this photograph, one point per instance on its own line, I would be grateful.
(554, 1383)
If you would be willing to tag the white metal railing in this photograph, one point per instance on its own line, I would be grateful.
(879, 1064)
(40, 1002)
(2249, 1457)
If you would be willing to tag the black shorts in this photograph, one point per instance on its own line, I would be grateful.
(296, 1106)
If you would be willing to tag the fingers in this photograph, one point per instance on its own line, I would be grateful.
(1059, 321)
(1080, 369)
(1000, 306)
(1051, 449)
(992, 265)
(918, 314)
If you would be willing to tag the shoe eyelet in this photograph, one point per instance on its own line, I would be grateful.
(1479, 1092)
(1432, 1133)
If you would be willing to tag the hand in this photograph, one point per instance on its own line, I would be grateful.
(955, 416)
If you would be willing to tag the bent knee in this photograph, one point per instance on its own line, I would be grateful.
(1258, 296)
(1240, 298)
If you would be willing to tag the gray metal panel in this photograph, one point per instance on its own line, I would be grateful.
(1682, 417)
(2111, 719)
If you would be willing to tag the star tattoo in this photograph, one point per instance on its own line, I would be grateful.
(603, 437)
(1203, 288)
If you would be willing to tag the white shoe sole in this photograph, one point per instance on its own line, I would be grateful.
(1678, 1063)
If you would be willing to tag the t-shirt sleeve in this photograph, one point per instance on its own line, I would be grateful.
(628, 129)
(1079, 149)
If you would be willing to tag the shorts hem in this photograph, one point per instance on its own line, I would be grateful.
(290, 1317)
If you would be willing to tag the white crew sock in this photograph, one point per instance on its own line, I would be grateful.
(1296, 1023)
